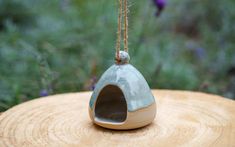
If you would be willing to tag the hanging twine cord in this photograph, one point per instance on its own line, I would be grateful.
(119, 31)
(126, 26)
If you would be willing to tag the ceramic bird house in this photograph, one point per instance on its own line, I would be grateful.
(122, 98)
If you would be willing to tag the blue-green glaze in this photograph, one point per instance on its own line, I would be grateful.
(133, 85)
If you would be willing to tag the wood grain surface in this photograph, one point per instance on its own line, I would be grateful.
(183, 119)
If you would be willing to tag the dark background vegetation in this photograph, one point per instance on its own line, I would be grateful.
(58, 46)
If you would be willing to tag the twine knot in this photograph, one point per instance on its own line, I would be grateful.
(124, 58)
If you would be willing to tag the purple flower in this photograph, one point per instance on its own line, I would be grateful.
(44, 93)
(93, 82)
(200, 53)
(160, 4)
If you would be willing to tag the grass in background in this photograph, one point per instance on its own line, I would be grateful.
(58, 46)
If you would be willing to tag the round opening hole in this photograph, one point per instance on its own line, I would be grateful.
(111, 105)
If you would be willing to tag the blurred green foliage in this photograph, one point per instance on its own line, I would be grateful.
(58, 46)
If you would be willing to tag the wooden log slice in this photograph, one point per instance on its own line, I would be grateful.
(183, 119)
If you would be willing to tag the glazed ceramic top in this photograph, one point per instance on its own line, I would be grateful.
(133, 85)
